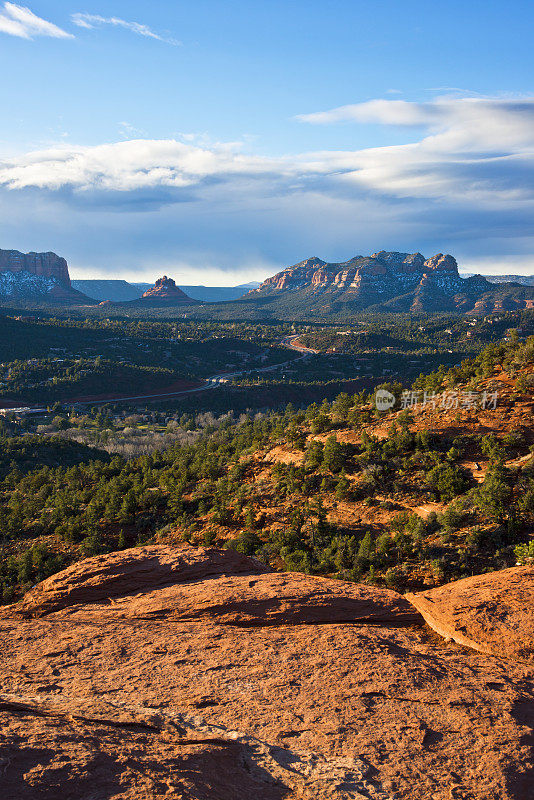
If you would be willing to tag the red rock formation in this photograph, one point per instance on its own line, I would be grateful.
(389, 281)
(165, 289)
(316, 273)
(140, 569)
(48, 265)
(493, 613)
(441, 262)
(200, 674)
(37, 277)
(163, 293)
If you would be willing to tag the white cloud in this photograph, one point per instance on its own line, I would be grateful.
(90, 21)
(500, 265)
(464, 185)
(465, 122)
(389, 112)
(474, 151)
(136, 164)
(20, 21)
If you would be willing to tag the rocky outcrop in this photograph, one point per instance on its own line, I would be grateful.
(296, 277)
(134, 571)
(164, 292)
(276, 599)
(200, 673)
(492, 613)
(37, 277)
(388, 281)
(129, 751)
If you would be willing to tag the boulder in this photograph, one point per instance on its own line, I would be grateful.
(492, 613)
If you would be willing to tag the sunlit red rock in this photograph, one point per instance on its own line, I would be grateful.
(201, 674)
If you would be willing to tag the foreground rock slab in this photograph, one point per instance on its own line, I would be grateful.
(207, 682)
(492, 613)
(131, 572)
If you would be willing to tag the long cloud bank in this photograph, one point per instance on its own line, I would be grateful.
(475, 150)
(467, 175)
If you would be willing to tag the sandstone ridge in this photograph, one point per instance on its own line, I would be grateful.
(135, 571)
(389, 281)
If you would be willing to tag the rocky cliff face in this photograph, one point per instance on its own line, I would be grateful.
(386, 280)
(200, 673)
(36, 277)
(46, 265)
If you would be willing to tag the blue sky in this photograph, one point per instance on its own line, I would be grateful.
(220, 141)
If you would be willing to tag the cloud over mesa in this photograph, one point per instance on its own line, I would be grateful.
(465, 185)
(472, 150)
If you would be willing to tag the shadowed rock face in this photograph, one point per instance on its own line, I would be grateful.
(37, 276)
(47, 265)
(201, 674)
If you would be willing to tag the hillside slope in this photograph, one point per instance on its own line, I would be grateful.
(414, 497)
(408, 498)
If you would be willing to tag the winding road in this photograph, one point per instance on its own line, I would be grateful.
(210, 383)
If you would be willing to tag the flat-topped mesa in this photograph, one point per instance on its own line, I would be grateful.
(47, 265)
(37, 277)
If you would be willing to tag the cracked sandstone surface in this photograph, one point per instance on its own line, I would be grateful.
(197, 673)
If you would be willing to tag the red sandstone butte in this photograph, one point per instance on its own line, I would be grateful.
(166, 290)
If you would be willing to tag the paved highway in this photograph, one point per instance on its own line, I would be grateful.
(210, 383)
